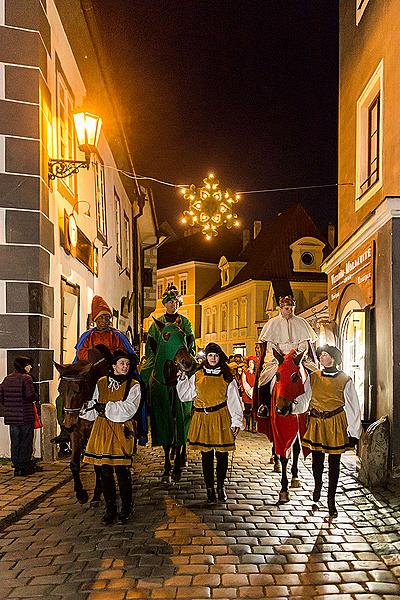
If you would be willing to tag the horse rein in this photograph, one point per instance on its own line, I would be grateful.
(78, 380)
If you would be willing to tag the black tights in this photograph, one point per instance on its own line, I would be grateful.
(207, 460)
(318, 459)
(124, 479)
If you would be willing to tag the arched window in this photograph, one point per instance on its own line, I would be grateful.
(235, 314)
(224, 319)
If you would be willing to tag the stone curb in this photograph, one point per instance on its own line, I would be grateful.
(40, 493)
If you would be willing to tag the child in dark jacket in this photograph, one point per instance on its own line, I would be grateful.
(17, 396)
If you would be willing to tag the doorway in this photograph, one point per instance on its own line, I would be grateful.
(353, 349)
(70, 301)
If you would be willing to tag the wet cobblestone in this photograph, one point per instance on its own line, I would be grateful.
(177, 547)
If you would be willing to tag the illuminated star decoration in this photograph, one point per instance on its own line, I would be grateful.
(209, 207)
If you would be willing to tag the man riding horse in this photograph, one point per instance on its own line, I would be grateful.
(102, 334)
(282, 333)
(172, 431)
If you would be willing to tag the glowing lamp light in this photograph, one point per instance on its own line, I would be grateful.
(87, 127)
(210, 207)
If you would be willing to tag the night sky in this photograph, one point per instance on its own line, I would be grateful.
(246, 89)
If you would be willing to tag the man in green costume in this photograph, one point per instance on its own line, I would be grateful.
(170, 418)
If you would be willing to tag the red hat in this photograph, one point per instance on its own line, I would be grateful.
(287, 301)
(99, 307)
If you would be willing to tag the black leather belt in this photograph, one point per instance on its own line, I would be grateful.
(325, 414)
(210, 409)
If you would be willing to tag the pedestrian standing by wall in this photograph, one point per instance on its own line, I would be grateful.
(334, 422)
(111, 443)
(17, 395)
(217, 416)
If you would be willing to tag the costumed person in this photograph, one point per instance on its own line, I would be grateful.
(237, 364)
(18, 398)
(283, 333)
(334, 419)
(104, 335)
(247, 385)
(169, 418)
(217, 416)
(114, 403)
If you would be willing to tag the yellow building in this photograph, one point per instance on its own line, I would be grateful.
(191, 264)
(363, 271)
(284, 258)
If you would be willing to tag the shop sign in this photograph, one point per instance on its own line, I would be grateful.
(358, 268)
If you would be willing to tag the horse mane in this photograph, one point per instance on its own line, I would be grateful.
(75, 368)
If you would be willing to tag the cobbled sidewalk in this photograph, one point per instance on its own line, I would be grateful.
(176, 546)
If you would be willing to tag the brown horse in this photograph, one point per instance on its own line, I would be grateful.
(76, 386)
(287, 428)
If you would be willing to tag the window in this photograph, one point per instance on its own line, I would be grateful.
(214, 319)
(224, 320)
(243, 312)
(65, 126)
(361, 5)
(208, 320)
(183, 285)
(170, 281)
(118, 228)
(127, 235)
(307, 254)
(235, 314)
(369, 139)
(160, 289)
(100, 201)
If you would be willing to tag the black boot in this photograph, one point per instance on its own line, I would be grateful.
(125, 491)
(211, 497)
(222, 497)
(110, 494)
(332, 507)
(317, 492)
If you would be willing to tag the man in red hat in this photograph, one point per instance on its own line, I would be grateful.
(101, 333)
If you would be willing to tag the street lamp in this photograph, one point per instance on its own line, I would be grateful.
(87, 127)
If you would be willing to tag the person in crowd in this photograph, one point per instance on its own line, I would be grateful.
(247, 385)
(17, 396)
(114, 403)
(101, 334)
(217, 416)
(334, 419)
(237, 364)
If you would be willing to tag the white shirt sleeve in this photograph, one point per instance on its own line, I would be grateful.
(246, 386)
(235, 405)
(123, 410)
(301, 403)
(186, 389)
(89, 413)
(352, 410)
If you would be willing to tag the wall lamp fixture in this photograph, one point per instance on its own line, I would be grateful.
(87, 127)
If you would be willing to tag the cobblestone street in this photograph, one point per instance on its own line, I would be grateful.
(176, 546)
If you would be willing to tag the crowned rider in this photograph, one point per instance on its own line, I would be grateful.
(282, 333)
(170, 419)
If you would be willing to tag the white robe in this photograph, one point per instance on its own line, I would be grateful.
(284, 335)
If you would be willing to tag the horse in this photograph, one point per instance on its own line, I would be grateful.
(169, 417)
(76, 386)
(287, 428)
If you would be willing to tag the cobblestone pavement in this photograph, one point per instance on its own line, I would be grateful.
(176, 546)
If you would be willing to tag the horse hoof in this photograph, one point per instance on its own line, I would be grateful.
(176, 476)
(295, 483)
(277, 468)
(283, 497)
(166, 478)
(271, 460)
(94, 503)
(82, 497)
(314, 507)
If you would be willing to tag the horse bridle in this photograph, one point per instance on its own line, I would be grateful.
(72, 411)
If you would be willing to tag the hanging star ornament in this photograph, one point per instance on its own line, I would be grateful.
(209, 207)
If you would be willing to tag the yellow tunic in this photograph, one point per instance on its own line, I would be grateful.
(211, 430)
(110, 443)
(327, 434)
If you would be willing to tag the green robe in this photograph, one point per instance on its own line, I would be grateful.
(169, 417)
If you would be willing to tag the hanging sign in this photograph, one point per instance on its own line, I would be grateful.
(358, 269)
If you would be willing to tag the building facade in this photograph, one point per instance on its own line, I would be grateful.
(363, 279)
(62, 240)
